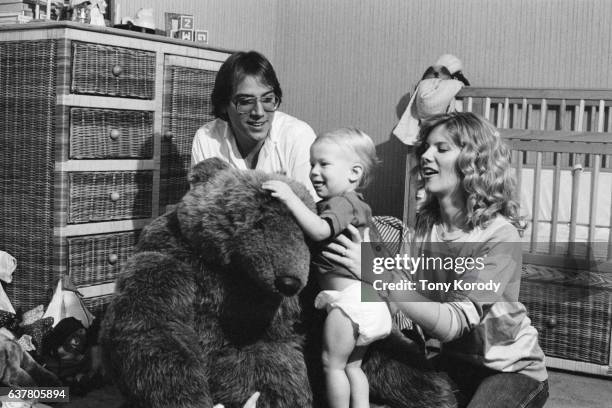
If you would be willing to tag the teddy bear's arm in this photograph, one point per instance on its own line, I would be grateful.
(148, 336)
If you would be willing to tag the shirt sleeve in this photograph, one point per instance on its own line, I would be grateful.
(501, 260)
(198, 151)
(455, 319)
(298, 160)
(338, 212)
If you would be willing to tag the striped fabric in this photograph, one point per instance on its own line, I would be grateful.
(394, 233)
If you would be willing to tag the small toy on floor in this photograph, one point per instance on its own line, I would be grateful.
(18, 367)
(69, 350)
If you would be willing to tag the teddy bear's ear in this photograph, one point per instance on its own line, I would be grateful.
(202, 214)
(206, 169)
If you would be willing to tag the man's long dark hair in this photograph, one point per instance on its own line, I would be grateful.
(238, 66)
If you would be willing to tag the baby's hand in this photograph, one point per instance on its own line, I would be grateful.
(279, 189)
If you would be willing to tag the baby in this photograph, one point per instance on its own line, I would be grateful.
(341, 163)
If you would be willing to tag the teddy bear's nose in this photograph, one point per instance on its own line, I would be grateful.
(287, 286)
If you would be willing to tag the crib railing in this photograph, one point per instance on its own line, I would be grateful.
(578, 110)
(566, 187)
(565, 132)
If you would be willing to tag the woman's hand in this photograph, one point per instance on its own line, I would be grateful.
(251, 402)
(347, 251)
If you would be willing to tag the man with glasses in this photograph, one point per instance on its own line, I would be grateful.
(249, 132)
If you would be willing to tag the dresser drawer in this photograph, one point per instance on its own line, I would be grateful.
(112, 71)
(573, 322)
(97, 259)
(108, 196)
(110, 134)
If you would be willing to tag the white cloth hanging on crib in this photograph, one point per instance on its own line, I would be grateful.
(432, 96)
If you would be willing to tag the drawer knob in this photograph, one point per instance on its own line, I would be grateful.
(114, 134)
(551, 321)
(112, 259)
(114, 196)
(169, 135)
(117, 70)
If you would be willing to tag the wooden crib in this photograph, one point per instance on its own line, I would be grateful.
(561, 141)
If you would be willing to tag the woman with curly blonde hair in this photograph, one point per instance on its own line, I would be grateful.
(466, 270)
(487, 183)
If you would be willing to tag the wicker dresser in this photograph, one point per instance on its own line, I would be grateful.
(96, 126)
(572, 310)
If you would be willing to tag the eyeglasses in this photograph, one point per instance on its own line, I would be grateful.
(246, 105)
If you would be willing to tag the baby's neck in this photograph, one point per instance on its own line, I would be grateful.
(349, 190)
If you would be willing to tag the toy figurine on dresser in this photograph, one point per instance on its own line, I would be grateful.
(89, 11)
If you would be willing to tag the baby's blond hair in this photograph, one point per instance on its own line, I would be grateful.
(359, 143)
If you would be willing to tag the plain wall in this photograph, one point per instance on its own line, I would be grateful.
(352, 62)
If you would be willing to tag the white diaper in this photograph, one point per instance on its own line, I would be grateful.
(373, 319)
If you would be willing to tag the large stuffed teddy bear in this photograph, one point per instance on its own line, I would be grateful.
(215, 305)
